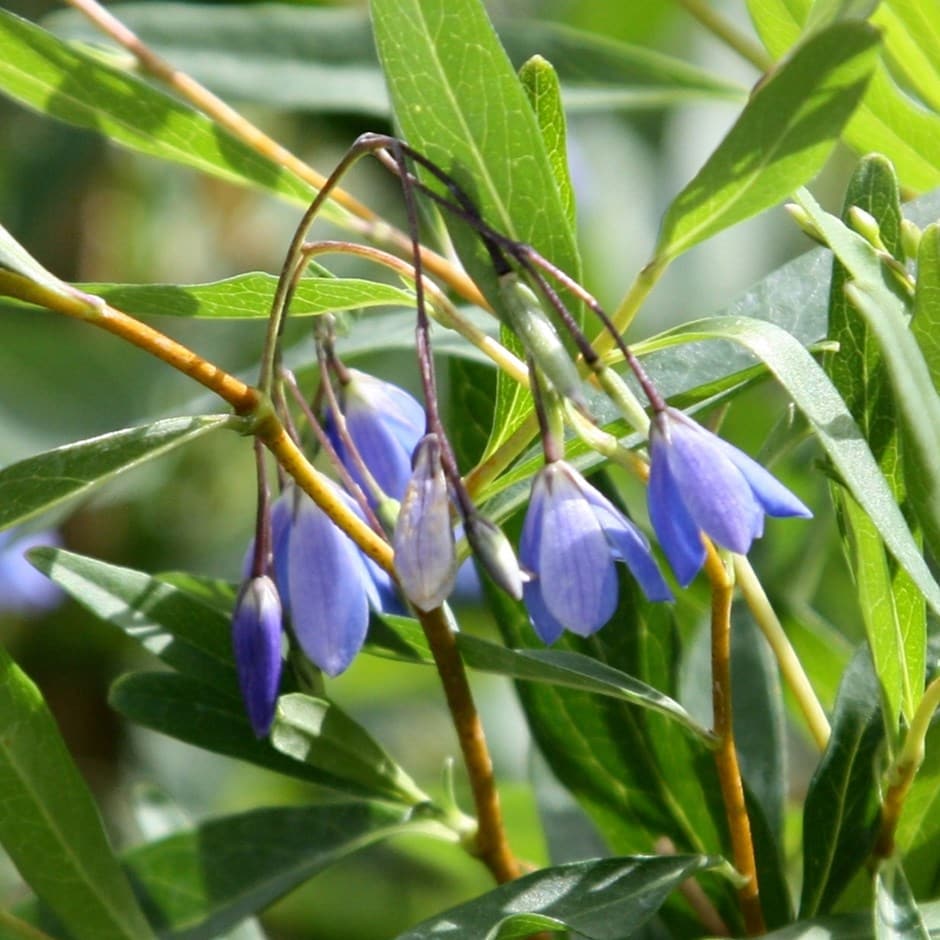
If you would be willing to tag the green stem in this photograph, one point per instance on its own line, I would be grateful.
(904, 770)
(728, 33)
(622, 317)
(790, 666)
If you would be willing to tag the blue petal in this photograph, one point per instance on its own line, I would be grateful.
(425, 555)
(675, 528)
(575, 567)
(329, 609)
(546, 626)
(713, 489)
(282, 515)
(773, 496)
(256, 639)
(628, 544)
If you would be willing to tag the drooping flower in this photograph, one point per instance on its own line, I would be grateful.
(425, 551)
(570, 540)
(330, 585)
(385, 423)
(256, 638)
(700, 483)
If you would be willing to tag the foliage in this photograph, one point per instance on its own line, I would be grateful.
(658, 796)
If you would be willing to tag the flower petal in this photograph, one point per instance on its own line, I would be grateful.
(628, 544)
(329, 609)
(575, 568)
(546, 626)
(425, 554)
(714, 490)
(256, 640)
(675, 528)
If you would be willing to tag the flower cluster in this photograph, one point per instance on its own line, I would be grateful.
(572, 538)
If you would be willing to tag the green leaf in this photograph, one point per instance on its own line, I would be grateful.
(918, 404)
(320, 734)
(249, 296)
(602, 900)
(891, 606)
(49, 824)
(926, 323)
(43, 481)
(637, 773)
(840, 816)
(15, 258)
(781, 139)
(912, 45)
(185, 633)
(190, 711)
(62, 81)
(778, 22)
(541, 85)
(849, 926)
(811, 390)
(896, 913)
(202, 881)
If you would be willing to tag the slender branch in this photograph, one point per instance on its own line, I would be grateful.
(905, 768)
(359, 217)
(790, 666)
(726, 757)
(726, 31)
(491, 846)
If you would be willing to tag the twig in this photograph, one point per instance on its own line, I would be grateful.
(728, 33)
(726, 758)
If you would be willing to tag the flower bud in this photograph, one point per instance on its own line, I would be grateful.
(867, 226)
(425, 554)
(910, 238)
(256, 638)
(539, 337)
(494, 552)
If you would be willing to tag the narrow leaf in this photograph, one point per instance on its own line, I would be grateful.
(15, 258)
(595, 899)
(234, 866)
(897, 916)
(781, 139)
(44, 73)
(320, 734)
(43, 481)
(849, 926)
(926, 323)
(841, 811)
(49, 824)
(185, 633)
(197, 714)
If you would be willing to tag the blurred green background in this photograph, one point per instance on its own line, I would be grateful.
(91, 212)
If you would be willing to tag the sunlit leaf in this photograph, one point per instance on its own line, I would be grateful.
(43, 481)
(897, 916)
(49, 824)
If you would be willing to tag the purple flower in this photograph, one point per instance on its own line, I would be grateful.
(425, 553)
(385, 423)
(329, 583)
(700, 483)
(23, 589)
(570, 540)
(256, 638)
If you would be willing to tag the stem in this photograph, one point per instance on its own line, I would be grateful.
(623, 316)
(904, 770)
(790, 666)
(729, 34)
(726, 757)
(492, 847)
(359, 218)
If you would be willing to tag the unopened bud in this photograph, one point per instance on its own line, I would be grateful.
(494, 552)
(867, 226)
(910, 238)
(425, 554)
(805, 222)
(536, 332)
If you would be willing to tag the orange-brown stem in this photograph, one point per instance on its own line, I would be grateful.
(726, 757)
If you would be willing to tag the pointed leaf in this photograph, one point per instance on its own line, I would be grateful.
(849, 926)
(926, 323)
(781, 139)
(190, 711)
(45, 73)
(320, 734)
(594, 899)
(234, 866)
(841, 812)
(49, 824)
(185, 633)
(43, 481)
